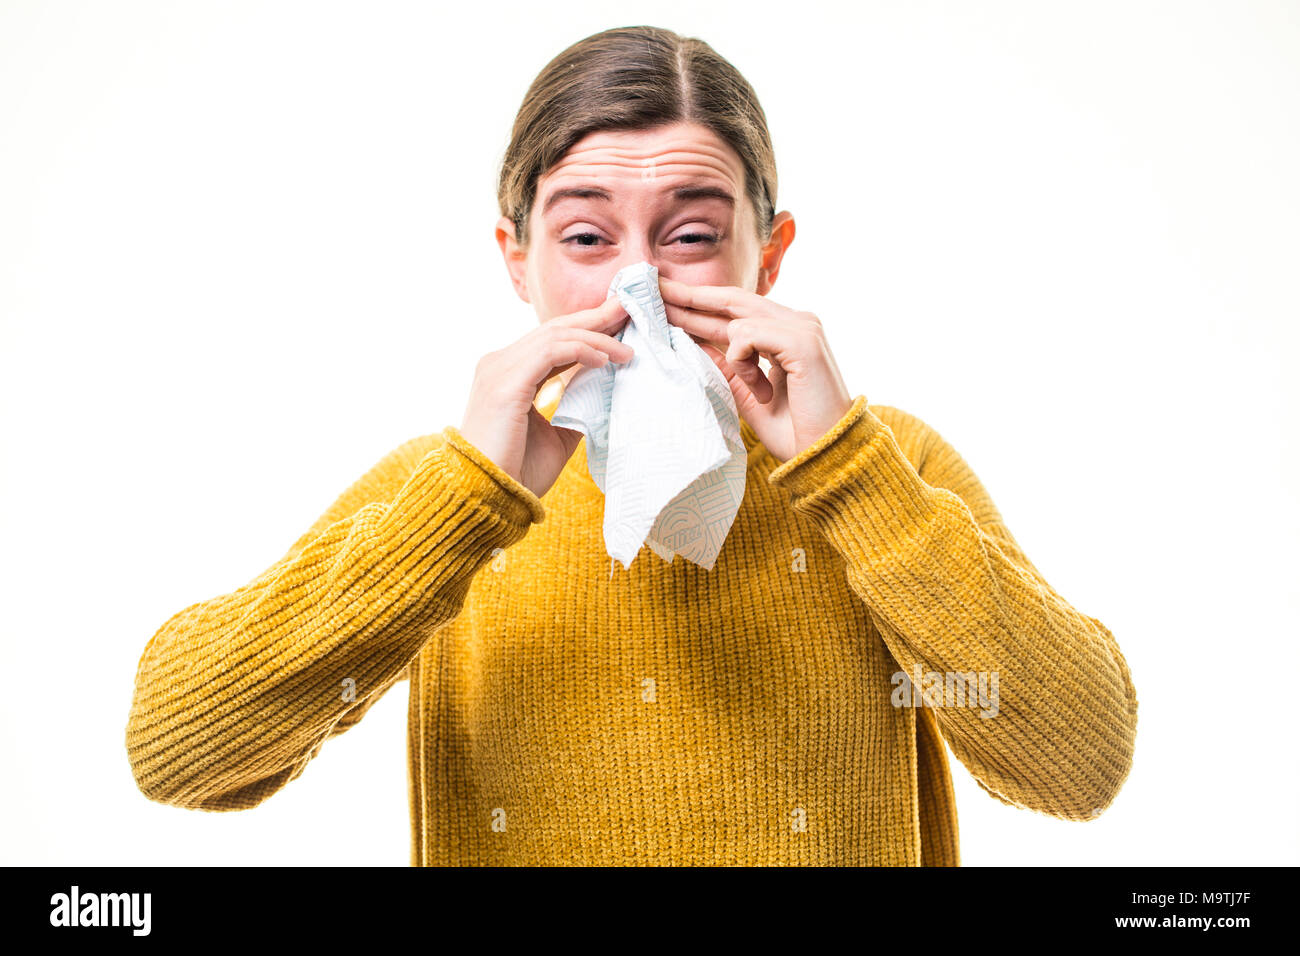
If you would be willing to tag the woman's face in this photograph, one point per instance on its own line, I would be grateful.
(673, 196)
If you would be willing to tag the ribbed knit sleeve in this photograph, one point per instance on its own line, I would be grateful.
(234, 695)
(951, 592)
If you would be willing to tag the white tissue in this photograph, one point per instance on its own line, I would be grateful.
(663, 436)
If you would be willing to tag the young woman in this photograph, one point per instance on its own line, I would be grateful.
(787, 706)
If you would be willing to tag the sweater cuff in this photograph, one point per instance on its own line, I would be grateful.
(490, 483)
(859, 487)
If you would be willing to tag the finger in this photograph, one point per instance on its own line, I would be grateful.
(753, 377)
(563, 348)
(569, 437)
(700, 325)
(577, 353)
(748, 366)
(746, 403)
(616, 350)
(746, 371)
(723, 299)
(607, 317)
(776, 375)
(715, 332)
(743, 352)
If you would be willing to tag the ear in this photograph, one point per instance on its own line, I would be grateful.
(769, 260)
(516, 257)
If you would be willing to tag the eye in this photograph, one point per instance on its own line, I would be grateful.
(578, 239)
(589, 239)
(694, 238)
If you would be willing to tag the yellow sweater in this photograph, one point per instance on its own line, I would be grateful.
(752, 714)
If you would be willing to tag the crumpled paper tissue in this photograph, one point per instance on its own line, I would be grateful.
(663, 435)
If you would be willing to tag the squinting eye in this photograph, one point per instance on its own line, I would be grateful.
(687, 238)
(582, 235)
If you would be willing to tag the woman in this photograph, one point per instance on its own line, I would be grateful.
(764, 711)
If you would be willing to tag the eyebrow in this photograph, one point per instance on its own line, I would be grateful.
(687, 192)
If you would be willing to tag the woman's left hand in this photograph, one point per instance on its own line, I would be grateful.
(805, 395)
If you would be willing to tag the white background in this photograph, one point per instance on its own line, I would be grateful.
(246, 249)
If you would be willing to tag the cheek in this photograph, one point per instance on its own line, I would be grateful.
(712, 271)
(568, 287)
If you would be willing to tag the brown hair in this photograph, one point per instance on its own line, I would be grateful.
(635, 77)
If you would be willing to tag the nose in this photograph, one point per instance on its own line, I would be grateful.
(641, 251)
(638, 251)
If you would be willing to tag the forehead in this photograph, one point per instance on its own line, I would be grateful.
(685, 149)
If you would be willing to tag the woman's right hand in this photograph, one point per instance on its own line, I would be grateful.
(500, 418)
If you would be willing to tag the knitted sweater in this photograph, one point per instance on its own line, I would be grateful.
(663, 714)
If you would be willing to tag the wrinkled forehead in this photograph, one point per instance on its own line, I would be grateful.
(688, 147)
(665, 159)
